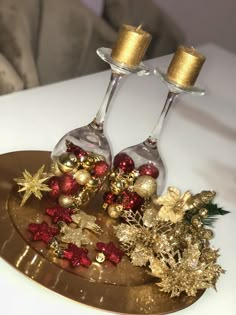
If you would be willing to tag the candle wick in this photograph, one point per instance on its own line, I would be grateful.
(139, 27)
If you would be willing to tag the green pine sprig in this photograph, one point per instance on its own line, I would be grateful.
(214, 211)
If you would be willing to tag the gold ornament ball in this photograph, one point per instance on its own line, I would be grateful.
(88, 163)
(196, 221)
(203, 212)
(67, 162)
(65, 201)
(100, 258)
(114, 211)
(208, 234)
(145, 186)
(93, 184)
(82, 177)
(112, 175)
(83, 197)
(117, 186)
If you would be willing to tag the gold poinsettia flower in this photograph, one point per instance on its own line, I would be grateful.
(173, 205)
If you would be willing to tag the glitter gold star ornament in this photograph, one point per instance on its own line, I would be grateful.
(32, 184)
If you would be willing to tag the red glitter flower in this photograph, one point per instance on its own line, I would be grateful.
(60, 214)
(111, 252)
(42, 232)
(77, 255)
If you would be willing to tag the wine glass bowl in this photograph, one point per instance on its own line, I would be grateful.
(91, 137)
(147, 161)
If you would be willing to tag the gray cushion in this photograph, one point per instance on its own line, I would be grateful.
(16, 37)
(9, 79)
(70, 34)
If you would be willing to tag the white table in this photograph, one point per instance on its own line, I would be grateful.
(198, 143)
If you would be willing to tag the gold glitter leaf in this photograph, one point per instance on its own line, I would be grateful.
(73, 235)
(86, 221)
(189, 274)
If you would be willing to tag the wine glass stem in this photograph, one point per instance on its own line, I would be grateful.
(155, 134)
(114, 80)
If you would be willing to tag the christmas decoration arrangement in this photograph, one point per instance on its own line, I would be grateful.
(167, 235)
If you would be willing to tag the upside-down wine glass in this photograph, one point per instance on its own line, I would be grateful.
(180, 78)
(85, 152)
(91, 137)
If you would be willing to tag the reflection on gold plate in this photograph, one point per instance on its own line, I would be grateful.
(122, 288)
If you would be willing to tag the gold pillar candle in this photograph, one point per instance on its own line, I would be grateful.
(185, 66)
(131, 45)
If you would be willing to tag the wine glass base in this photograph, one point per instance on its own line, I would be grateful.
(105, 54)
(174, 87)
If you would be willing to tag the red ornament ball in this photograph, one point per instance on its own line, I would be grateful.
(149, 169)
(131, 200)
(109, 198)
(76, 150)
(68, 185)
(100, 169)
(123, 162)
(54, 184)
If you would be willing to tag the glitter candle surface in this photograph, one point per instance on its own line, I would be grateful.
(131, 45)
(185, 66)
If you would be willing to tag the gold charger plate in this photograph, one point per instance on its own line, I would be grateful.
(123, 288)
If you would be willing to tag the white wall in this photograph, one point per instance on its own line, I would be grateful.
(204, 20)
